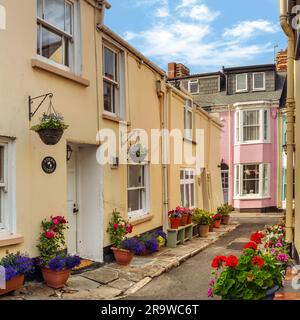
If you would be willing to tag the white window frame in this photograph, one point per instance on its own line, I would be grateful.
(7, 189)
(145, 211)
(264, 81)
(239, 126)
(193, 82)
(238, 181)
(184, 181)
(74, 39)
(236, 82)
(188, 132)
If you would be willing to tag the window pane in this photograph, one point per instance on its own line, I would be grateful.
(237, 125)
(182, 174)
(237, 180)
(40, 8)
(1, 206)
(265, 180)
(134, 200)
(1, 164)
(54, 13)
(135, 177)
(38, 39)
(241, 81)
(108, 91)
(192, 204)
(194, 87)
(68, 20)
(265, 124)
(258, 81)
(250, 179)
(52, 46)
(182, 200)
(187, 196)
(251, 125)
(110, 64)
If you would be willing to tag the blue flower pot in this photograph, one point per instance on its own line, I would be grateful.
(270, 294)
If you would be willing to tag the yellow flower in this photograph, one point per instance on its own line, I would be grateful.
(250, 277)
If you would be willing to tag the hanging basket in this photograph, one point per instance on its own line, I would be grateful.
(50, 136)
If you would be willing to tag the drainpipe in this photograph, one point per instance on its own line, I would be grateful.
(290, 107)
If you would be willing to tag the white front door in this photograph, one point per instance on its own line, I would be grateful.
(85, 204)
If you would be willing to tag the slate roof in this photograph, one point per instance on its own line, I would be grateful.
(221, 98)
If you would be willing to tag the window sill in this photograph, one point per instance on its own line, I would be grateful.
(10, 240)
(115, 119)
(189, 141)
(141, 220)
(253, 142)
(38, 64)
(252, 198)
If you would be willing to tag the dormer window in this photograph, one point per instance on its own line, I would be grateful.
(242, 82)
(259, 81)
(193, 86)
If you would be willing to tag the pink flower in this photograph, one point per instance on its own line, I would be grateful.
(212, 282)
(210, 292)
(49, 234)
(55, 221)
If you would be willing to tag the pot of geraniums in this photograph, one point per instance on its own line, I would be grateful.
(217, 220)
(185, 212)
(225, 211)
(118, 230)
(203, 219)
(55, 264)
(174, 218)
(51, 128)
(16, 266)
(190, 216)
(253, 276)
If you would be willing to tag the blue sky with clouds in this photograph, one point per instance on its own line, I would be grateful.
(203, 34)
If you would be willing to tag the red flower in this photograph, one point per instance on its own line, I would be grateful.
(129, 228)
(58, 219)
(256, 237)
(218, 261)
(258, 261)
(231, 262)
(116, 226)
(49, 234)
(217, 217)
(251, 245)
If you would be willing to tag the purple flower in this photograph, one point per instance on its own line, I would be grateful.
(212, 282)
(278, 245)
(210, 292)
(16, 264)
(10, 273)
(273, 251)
(152, 245)
(162, 234)
(282, 257)
(57, 264)
(72, 262)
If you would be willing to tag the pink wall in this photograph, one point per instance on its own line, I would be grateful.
(250, 153)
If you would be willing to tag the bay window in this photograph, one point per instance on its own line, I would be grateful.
(252, 180)
(187, 188)
(137, 191)
(188, 120)
(252, 126)
(58, 32)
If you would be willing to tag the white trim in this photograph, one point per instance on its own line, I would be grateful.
(236, 83)
(259, 104)
(188, 132)
(264, 81)
(189, 182)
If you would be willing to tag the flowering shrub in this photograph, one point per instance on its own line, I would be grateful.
(202, 217)
(16, 264)
(134, 245)
(225, 209)
(118, 229)
(63, 262)
(52, 239)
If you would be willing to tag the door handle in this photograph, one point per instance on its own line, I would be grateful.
(75, 209)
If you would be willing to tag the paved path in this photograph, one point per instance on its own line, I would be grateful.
(190, 280)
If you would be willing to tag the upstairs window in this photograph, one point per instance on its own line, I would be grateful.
(259, 81)
(187, 188)
(242, 82)
(188, 120)
(193, 86)
(56, 29)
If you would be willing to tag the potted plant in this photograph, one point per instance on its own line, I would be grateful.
(217, 220)
(55, 264)
(174, 218)
(225, 211)
(190, 216)
(118, 230)
(50, 128)
(134, 245)
(185, 212)
(161, 238)
(203, 219)
(16, 266)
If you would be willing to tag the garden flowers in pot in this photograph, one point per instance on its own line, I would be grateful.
(174, 218)
(225, 211)
(55, 264)
(217, 220)
(15, 267)
(122, 248)
(203, 219)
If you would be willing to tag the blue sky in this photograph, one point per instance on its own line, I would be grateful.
(203, 34)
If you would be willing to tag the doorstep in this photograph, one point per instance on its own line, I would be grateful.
(113, 281)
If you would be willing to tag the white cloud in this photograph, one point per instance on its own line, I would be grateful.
(247, 29)
(163, 12)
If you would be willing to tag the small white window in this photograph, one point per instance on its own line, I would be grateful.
(138, 191)
(188, 120)
(193, 86)
(58, 33)
(259, 81)
(187, 188)
(242, 82)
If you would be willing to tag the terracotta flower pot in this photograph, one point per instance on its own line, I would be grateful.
(225, 220)
(217, 224)
(13, 284)
(189, 220)
(123, 257)
(55, 279)
(174, 223)
(50, 136)
(183, 220)
(211, 228)
(203, 231)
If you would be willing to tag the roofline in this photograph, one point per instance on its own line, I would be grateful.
(122, 42)
(198, 75)
(249, 68)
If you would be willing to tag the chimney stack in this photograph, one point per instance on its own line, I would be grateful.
(177, 70)
(281, 61)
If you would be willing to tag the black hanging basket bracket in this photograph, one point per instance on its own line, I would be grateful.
(31, 100)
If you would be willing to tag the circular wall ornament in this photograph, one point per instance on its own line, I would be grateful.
(49, 165)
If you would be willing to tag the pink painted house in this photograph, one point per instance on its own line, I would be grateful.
(247, 100)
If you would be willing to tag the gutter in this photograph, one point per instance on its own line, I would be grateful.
(290, 119)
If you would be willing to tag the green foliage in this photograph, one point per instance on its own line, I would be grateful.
(225, 209)
(50, 121)
(202, 217)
